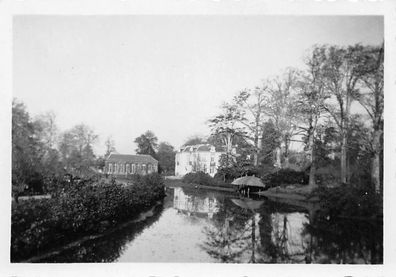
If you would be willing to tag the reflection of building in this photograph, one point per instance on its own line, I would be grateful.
(194, 205)
(122, 165)
(195, 158)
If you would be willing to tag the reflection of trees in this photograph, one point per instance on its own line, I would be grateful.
(281, 235)
(232, 237)
(107, 248)
(347, 240)
(281, 241)
(229, 236)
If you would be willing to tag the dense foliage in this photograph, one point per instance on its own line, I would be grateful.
(201, 178)
(40, 153)
(286, 177)
(358, 200)
(166, 158)
(83, 209)
(349, 207)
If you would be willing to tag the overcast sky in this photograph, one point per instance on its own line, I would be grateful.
(123, 75)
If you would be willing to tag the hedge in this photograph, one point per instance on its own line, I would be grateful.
(286, 177)
(38, 225)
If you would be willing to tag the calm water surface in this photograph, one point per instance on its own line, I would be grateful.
(206, 226)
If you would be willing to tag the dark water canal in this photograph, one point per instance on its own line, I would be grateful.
(206, 226)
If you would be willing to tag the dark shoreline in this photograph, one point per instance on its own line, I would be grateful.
(171, 183)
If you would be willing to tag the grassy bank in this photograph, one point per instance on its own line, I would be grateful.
(39, 225)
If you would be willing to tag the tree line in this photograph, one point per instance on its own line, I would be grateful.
(42, 154)
(333, 106)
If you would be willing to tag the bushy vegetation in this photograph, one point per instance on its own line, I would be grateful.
(349, 207)
(286, 177)
(357, 200)
(82, 209)
(201, 178)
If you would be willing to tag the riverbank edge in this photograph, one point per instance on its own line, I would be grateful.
(44, 215)
(51, 252)
(291, 195)
(172, 183)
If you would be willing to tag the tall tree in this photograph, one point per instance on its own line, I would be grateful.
(225, 127)
(166, 157)
(251, 105)
(310, 101)
(75, 146)
(147, 143)
(47, 134)
(270, 142)
(371, 97)
(341, 75)
(280, 107)
(26, 154)
(45, 125)
(110, 146)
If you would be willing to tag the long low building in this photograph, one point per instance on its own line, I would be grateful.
(122, 165)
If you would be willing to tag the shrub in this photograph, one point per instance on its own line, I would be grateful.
(199, 178)
(37, 225)
(328, 175)
(286, 177)
(350, 200)
(349, 221)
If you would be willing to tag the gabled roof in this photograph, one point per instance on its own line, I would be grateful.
(131, 158)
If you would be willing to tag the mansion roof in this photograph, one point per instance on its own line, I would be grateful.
(123, 158)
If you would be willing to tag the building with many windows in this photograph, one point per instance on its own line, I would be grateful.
(196, 158)
(122, 165)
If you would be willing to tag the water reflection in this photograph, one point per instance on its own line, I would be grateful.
(108, 248)
(203, 226)
(195, 205)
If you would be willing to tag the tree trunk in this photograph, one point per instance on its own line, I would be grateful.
(286, 153)
(256, 150)
(278, 157)
(376, 162)
(312, 170)
(343, 158)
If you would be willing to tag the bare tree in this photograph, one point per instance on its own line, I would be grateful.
(311, 97)
(225, 126)
(371, 97)
(251, 105)
(281, 108)
(341, 75)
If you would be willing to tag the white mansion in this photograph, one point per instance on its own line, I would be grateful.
(195, 158)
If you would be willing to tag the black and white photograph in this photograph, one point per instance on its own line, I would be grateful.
(197, 138)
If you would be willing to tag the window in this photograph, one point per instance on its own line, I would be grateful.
(133, 169)
(144, 168)
(115, 168)
(110, 168)
(127, 168)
